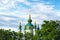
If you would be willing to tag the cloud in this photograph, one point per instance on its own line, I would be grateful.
(6, 4)
(14, 11)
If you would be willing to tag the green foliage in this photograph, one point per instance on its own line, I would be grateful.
(28, 36)
(20, 36)
(5, 34)
(48, 30)
(37, 35)
(8, 35)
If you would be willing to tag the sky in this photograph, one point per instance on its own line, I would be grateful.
(12, 12)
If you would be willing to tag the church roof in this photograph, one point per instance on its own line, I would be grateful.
(29, 25)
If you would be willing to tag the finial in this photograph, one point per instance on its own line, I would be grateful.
(20, 23)
(20, 27)
(38, 27)
(35, 25)
(35, 22)
(29, 20)
(29, 16)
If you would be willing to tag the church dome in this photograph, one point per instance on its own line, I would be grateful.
(29, 25)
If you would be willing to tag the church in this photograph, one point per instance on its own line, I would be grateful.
(29, 27)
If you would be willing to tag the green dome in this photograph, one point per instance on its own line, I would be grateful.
(29, 25)
(29, 22)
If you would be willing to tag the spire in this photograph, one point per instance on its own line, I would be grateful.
(38, 27)
(29, 20)
(29, 16)
(35, 25)
(35, 22)
(20, 27)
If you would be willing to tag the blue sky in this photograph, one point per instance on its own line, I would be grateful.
(12, 12)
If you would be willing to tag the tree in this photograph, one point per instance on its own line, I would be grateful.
(58, 30)
(48, 30)
(20, 36)
(28, 36)
(37, 35)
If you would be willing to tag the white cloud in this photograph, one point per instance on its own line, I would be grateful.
(38, 11)
(43, 8)
(57, 13)
(7, 4)
(24, 1)
(21, 0)
(8, 19)
(4, 1)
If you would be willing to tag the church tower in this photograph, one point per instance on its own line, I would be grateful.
(34, 30)
(35, 25)
(29, 26)
(20, 27)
